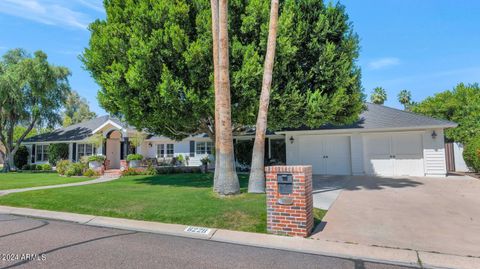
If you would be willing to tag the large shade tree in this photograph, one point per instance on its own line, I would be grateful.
(460, 105)
(32, 92)
(76, 110)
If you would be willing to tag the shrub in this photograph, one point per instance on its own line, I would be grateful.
(180, 159)
(21, 156)
(150, 171)
(46, 167)
(96, 158)
(57, 152)
(26, 167)
(74, 169)
(131, 172)
(471, 154)
(134, 157)
(62, 166)
(90, 173)
(38, 167)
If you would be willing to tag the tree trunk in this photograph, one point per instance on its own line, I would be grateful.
(214, 4)
(225, 174)
(256, 183)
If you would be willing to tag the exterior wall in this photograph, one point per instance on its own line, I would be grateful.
(293, 156)
(460, 165)
(180, 148)
(356, 144)
(434, 153)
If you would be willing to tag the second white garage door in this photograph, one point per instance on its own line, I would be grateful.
(328, 155)
(398, 154)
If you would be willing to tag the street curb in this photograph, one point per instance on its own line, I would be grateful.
(295, 244)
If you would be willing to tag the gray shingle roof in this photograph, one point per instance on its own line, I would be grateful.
(73, 132)
(383, 117)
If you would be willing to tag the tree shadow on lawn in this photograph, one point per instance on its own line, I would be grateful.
(193, 180)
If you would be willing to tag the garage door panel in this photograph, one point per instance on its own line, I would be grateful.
(312, 152)
(394, 154)
(338, 151)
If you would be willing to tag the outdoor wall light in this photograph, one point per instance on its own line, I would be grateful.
(434, 135)
(150, 144)
(292, 139)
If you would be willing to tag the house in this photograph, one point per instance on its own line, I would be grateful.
(384, 141)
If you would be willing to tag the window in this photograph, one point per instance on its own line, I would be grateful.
(204, 147)
(170, 150)
(85, 150)
(42, 153)
(160, 150)
(165, 150)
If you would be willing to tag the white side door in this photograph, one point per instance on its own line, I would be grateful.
(407, 150)
(312, 152)
(378, 156)
(337, 151)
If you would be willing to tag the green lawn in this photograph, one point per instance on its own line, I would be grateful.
(24, 180)
(178, 198)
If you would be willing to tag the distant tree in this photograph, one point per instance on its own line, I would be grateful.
(378, 96)
(76, 110)
(32, 92)
(460, 105)
(405, 98)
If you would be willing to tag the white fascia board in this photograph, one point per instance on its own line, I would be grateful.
(359, 130)
(119, 127)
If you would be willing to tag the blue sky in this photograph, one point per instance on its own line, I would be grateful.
(424, 46)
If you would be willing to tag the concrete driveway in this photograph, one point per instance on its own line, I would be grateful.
(429, 214)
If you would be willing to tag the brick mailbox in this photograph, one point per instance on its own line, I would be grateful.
(289, 200)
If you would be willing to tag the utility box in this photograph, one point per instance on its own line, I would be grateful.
(289, 200)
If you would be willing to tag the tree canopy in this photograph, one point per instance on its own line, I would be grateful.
(76, 110)
(460, 105)
(405, 98)
(32, 92)
(153, 61)
(378, 96)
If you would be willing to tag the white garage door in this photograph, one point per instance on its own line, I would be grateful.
(394, 154)
(328, 155)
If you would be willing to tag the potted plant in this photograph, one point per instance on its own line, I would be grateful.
(134, 160)
(95, 161)
(205, 161)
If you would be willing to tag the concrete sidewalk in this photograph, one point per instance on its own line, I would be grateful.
(311, 246)
(101, 179)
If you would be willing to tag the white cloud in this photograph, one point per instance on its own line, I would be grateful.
(383, 62)
(92, 4)
(51, 12)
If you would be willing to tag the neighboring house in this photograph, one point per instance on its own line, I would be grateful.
(384, 142)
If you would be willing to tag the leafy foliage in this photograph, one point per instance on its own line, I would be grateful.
(90, 173)
(378, 96)
(21, 156)
(154, 65)
(96, 158)
(75, 169)
(32, 92)
(471, 153)
(460, 105)
(57, 152)
(405, 98)
(62, 166)
(134, 157)
(96, 140)
(76, 110)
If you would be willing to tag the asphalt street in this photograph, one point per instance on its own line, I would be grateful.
(38, 243)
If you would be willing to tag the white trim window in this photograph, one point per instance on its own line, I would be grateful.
(41, 152)
(85, 150)
(165, 150)
(204, 148)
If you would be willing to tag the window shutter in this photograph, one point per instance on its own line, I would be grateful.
(33, 152)
(192, 148)
(74, 152)
(122, 150)
(104, 148)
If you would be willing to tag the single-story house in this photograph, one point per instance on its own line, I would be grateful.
(384, 141)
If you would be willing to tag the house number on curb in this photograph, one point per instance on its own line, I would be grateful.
(197, 230)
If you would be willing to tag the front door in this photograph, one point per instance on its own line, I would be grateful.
(113, 152)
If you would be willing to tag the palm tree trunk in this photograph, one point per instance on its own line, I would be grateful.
(256, 183)
(225, 174)
(214, 6)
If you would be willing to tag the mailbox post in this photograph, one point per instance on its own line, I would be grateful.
(289, 200)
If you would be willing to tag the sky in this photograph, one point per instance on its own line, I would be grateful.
(425, 46)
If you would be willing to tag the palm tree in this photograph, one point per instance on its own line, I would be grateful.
(256, 183)
(405, 98)
(225, 175)
(379, 96)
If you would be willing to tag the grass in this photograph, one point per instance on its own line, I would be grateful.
(14, 180)
(178, 198)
